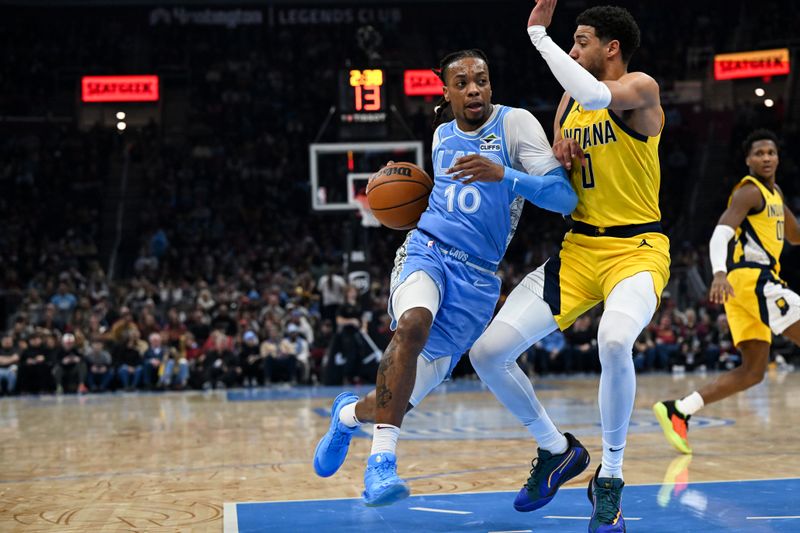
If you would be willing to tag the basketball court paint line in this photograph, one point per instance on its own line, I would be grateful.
(696, 507)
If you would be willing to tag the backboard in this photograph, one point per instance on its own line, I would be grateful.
(340, 170)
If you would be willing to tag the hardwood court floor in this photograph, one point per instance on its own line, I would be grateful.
(168, 462)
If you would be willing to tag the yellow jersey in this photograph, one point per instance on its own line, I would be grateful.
(619, 184)
(759, 238)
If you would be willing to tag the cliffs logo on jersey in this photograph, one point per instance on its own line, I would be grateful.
(599, 133)
(491, 143)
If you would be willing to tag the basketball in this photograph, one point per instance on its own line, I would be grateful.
(398, 195)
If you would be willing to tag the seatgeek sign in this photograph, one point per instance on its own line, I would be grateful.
(751, 64)
(119, 88)
(421, 83)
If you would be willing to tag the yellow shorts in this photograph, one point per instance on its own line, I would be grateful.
(762, 305)
(588, 268)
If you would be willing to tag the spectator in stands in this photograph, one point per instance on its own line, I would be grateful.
(123, 328)
(691, 336)
(70, 370)
(128, 359)
(331, 287)
(199, 326)
(279, 364)
(148, 324)
(64, 301)
(9, 363)
(50, 320)
(294, 345)
(204, 301)
(581, 352)
(224, 322)
(153, 359)
(322, 340)
(35, 371)
(215, 361)
(721, 353)
(98, 362)
(176, 370)
(174, 329)
(252, 362)
(348, 346)
(644, 351)
(666, 343)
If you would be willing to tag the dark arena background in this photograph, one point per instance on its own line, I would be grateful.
(185, 247)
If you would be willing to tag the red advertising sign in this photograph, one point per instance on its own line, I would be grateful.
(751, 64)
(119, 88)
(421, 83)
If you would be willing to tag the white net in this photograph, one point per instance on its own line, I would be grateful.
(368, 220)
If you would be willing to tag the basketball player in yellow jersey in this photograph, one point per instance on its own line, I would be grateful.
(757, 302)
(606, 133)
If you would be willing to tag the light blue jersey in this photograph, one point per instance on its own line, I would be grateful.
(479, 218)
(465, 231)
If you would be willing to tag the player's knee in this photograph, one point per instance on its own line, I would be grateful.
(413, 328)
(479, 355)
(614, 346)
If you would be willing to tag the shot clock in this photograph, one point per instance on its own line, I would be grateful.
(362, 103)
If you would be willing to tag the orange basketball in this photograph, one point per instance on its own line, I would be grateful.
(398, 194)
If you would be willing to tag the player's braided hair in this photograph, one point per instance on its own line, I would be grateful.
(444, 64)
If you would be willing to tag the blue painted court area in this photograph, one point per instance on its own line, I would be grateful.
(763, 506)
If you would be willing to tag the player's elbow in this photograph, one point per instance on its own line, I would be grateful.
(571, 201)
(560, 198)
(595, 97)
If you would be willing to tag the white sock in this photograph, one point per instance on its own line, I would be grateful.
(347, 415)
(691, 404)
(612, 460)
(384, 439)
(547, 436)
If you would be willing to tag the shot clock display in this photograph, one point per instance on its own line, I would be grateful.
(362, 96)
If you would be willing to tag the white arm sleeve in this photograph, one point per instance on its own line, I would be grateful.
(575, 79)
(527, 143)
(436, 137)
(718, 247)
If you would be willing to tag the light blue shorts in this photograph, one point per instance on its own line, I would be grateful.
(467, 295)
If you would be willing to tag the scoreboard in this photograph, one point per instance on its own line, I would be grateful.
(362, 97)
(369, 97)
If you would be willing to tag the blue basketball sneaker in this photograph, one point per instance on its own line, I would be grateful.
(332, 448)
(382, 485)
(605, 493)
(549, 472)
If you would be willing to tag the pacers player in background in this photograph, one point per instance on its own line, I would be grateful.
(747, 280)
(443, 286)
(607, 129)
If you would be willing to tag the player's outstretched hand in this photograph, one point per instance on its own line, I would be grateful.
(382, 167)
(567, 151)
(721, 289)
(542, 13)
(474, 167)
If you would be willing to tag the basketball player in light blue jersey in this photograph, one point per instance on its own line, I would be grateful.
(443, 287)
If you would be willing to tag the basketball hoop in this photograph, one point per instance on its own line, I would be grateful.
(368, 220)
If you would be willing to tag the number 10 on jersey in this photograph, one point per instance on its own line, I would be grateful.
(468, 199)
